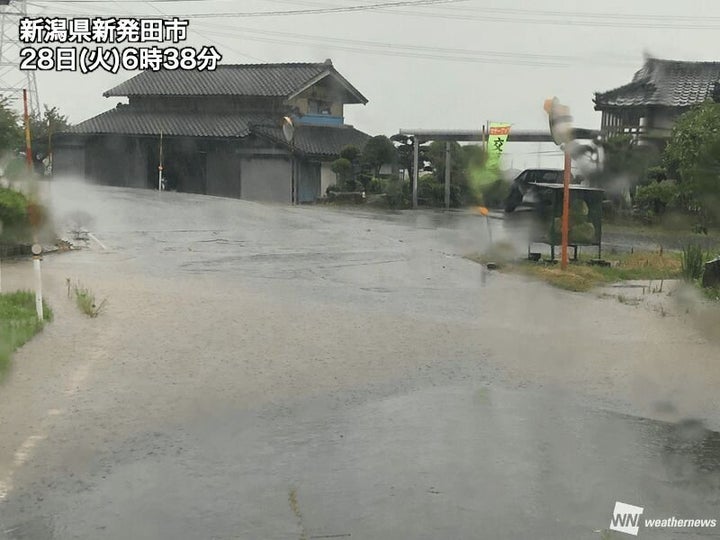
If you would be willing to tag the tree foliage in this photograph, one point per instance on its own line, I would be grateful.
(342, 167)
(378, 151)
(44, 126)
(693, 136)
(350, 152)
(11, 134)
(405, 153)
(693, 157)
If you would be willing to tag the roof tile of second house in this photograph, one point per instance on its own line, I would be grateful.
(322, 141)
(670, 83)
(123, 120)
(264, 80)
(318, 140)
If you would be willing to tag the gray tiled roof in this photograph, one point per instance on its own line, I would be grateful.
(670, 83)
(321, 141)
(266, 80)
(126, 121)
(311, 140)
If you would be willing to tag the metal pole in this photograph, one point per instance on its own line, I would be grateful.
(293, 179)
(447, 175)
(28, 144)
(50, 150)
(160, 163)
(566, 211)
(416, 162)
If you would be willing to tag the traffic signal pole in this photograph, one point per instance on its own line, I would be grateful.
(561, 131)
(566, 212)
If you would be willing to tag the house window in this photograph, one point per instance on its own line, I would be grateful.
(316, 106)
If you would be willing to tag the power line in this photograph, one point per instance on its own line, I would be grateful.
(147, 2)
(561, 18)
(315, 11)
(533, 17)
(393, 49)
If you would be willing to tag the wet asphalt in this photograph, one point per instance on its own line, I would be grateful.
(454, 451)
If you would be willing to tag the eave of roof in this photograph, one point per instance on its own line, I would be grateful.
(318, 141)
(339, 78)
(125, 121)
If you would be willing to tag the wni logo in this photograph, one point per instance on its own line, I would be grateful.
(626, 518)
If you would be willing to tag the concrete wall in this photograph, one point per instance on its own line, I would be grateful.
(116, 161)
(266, 179)
(69, 161)
(327, 177)
(224, 174)
(225, 169)
(137, 173)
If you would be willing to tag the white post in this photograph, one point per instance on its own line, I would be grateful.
(38, 288)
(160, 163)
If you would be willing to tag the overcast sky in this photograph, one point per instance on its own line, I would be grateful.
(452, 65)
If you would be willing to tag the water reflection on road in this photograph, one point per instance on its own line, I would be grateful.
(450, 462)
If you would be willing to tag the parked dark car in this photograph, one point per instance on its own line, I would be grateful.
(522, 190)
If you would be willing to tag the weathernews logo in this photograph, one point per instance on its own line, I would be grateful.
(626, 518)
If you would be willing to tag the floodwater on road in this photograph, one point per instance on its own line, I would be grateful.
(271, 372)
(450, 462)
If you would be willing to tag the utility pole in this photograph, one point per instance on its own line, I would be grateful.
(447, 175)
(416, 172)
(12, 79)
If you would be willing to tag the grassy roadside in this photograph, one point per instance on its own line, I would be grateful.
(581, 276)
(18, 323)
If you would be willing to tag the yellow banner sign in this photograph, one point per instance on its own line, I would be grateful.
(497, 138)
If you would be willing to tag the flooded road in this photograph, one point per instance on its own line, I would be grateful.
(271, 372)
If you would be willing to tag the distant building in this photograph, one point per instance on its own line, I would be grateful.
(660, 91)
(221, 132)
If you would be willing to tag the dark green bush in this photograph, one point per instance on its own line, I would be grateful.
(494, 194)
(693, 262)
(430, 191)
(376, 185)
(657, 196)
(398, 193)
(13, 216)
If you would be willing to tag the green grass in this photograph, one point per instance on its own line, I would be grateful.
(18, 323)
(85, 300)
(712, 293)
(580, 276)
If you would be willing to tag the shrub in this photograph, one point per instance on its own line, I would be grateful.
(693, 262)
(85, 300)
(430, 191)
(657, 196)
(495, 193)
(13, 216)
(376, 185)
(398, 193)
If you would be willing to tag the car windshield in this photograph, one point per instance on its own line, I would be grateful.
(310, 269)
